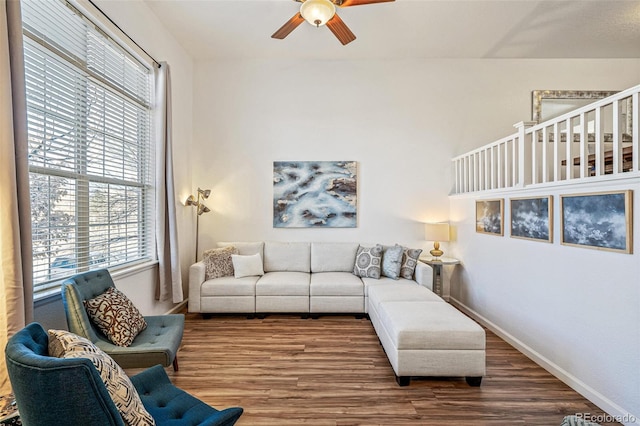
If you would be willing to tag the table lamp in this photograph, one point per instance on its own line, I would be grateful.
(436, 232)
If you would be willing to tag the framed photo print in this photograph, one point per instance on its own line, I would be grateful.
(532, 218)
(601, 221)
(490, 216)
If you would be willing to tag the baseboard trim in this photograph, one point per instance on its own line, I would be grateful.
(177, 308)
(617, 413)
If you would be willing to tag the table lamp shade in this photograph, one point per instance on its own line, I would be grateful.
(436, 231)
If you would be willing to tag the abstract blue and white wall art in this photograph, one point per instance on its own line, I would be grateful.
(531, 218)
(600, 221)
(489, 216)
(315, 194)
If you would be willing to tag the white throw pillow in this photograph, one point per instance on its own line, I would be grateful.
(247, 266)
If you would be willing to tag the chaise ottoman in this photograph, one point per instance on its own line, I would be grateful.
(429, 338)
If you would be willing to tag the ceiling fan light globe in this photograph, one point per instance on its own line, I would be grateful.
(317, 12)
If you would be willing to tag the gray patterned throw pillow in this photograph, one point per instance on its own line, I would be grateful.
(368, 261)
(391, 261)
(409, 261)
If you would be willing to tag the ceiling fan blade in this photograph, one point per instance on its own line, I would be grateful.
(289, 26)
(340, 30)
(347, 3)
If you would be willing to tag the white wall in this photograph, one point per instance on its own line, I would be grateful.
(401, 120)
(573, 310)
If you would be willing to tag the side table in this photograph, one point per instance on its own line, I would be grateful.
(437, 265)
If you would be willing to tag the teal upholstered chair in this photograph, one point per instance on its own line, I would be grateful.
(55, 391)
(157, 344)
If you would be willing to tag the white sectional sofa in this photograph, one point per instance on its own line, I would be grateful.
(305, 278)
(422, 334)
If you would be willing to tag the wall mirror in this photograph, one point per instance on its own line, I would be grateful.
(548, 104)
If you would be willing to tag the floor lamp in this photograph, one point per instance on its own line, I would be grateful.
(196, 201)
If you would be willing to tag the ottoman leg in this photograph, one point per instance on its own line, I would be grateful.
(474, 381)
(403, 380)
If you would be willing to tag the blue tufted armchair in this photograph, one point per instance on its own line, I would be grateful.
(157, 344)
(53, 391)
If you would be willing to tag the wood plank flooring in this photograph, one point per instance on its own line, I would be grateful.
(284, 370)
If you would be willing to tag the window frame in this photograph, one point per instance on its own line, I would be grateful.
(79, 176)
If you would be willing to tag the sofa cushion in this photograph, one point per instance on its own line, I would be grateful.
(333, 257)
(283, 284)
(368, 262)
(63, 344)
(217, 262)
(401, 291)
(114, 314)
(391, 261)
(383, 281)
(245, 248)
(229, 286)
(409, 261)
(290, 257)
(429, 325)
(247, 266)
(335, 284)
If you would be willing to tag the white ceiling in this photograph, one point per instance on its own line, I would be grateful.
(210, 29)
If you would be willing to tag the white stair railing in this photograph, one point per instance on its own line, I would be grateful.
(591, 142)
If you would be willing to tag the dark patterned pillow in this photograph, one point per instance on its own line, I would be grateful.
(409, 261)
(63, 344)
(217, 262)
(391, 261)
(368, 261)
(114, 314)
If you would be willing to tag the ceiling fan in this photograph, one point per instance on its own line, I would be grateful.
(321, 12)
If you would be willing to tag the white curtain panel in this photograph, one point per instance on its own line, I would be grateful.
(16, 284)
(170, 282)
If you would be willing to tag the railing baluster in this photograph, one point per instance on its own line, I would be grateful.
(635, 107)
(584, 146)
(599, 135)
(475, 172)
(617, 138)
(569, 151)
(515, 164)
(535, 176)
(545, 155)
(499, 166)
(556, 152)
(459, 176)
(487, 167)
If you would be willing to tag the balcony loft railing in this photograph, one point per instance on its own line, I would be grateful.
(593, 142)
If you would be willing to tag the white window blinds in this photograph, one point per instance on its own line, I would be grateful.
(90, 154)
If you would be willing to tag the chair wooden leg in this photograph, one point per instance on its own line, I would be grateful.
(175, 363)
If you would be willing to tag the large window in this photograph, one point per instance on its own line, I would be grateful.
(90, 156)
